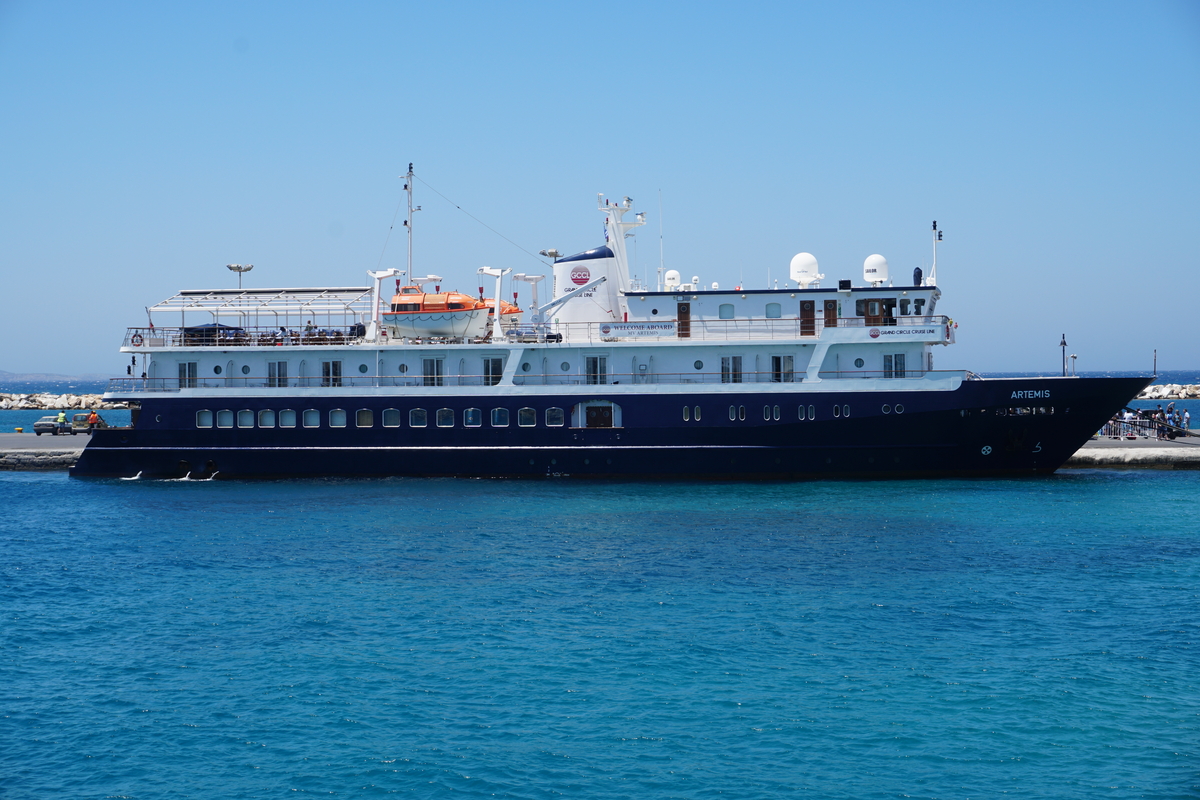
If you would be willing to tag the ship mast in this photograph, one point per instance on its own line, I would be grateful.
(408, 187)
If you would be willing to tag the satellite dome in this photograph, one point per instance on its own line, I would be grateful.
(875, 269)
(804, 269)
(671, 279)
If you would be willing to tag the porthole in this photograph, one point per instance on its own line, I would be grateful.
(858, 362)
(775, 412)
(587, 461)
(741, 412)
(565, 366)
(837, 411)
(733, 412)
(158, 417)
(654, 311)
(812, 412)
(697, 365)
(362, 368)
(887, 409)
(899, 408)
(554, 461)
(845, 411)
(403, 368)
(766, 413)
(525, 367)
(245, 369)
(696, 413)
(687, 413)
(217, 369)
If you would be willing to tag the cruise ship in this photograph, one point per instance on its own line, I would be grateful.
(605, 379)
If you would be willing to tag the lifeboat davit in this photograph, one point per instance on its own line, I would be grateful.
(415, 313)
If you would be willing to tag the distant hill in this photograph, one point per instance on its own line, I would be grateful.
(45, 377)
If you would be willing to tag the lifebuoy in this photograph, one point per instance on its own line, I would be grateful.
(136, 340)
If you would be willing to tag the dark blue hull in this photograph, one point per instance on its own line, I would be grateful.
(989, 427)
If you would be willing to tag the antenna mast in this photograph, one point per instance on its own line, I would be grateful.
(937, 237)
(659, 288)
(408, 187)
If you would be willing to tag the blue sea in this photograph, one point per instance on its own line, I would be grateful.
(1026, 638)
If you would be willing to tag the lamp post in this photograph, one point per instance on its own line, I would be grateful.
(1063, 345)
(239, 269)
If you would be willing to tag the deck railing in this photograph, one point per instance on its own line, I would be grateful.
(146, 385)
(567, 333)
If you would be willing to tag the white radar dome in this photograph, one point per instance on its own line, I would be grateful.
(671, 279)
(804, 269)
(875, 269)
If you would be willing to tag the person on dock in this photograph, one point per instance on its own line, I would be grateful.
(93, 420)
(62, 420)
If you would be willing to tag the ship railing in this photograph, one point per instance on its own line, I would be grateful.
(1143, 427)
(200, 336)
(571, 333)
(737, 329)
(153, 385)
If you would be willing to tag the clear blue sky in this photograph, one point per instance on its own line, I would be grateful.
(147, 145)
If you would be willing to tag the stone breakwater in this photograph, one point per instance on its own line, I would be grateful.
(1171, 391)
(9, 402)
(37, 460)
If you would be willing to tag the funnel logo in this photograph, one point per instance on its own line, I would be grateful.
(874, 333)
(606, 329)
(580, 276)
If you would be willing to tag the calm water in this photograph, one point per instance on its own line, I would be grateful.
(601, 640)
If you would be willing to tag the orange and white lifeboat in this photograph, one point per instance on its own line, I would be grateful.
(415, 313)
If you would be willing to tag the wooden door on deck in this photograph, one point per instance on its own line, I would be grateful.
(831, 313)
(684, 320)
(808, 317)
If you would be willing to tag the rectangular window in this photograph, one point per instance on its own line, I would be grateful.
(418, 418)
(277, 374)
(188, 371)
(774, 311)
(225, 418)
(245, 418)
(433, 371)
(473, 417)
(783, 369)
(445, 417)
(493, 368)
(337, 417)
(391, 418)
(331, 373)
(499, 417)
(554, 417)
(204, 419)
(266, 418)
(312, 418)
(731, 369)
(364, 418)
(725, 311)
(899, 365)
(287, 418)
(526, 417)
(597, 369)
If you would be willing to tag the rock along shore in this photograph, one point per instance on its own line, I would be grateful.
(1171, 391)
(37, 460)
(10, 402)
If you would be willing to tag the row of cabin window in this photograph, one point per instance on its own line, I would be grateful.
(365, 418)
(772, 412)
(862, 308)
